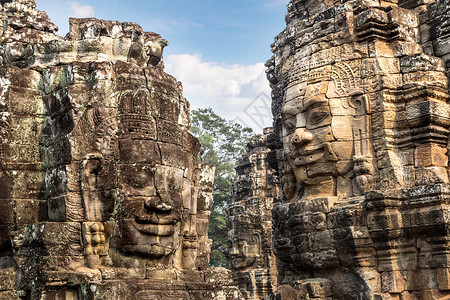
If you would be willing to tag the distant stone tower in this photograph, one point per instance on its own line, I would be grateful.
(361, 115)
(101, 193)
(249, 219)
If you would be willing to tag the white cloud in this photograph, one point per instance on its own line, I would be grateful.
(235, 92)
(81, 11)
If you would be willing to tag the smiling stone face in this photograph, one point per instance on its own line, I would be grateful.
(319, 145)
(98, 171)
(244, 251)
(152, 226)
(325, 125)
(308, 142)
(151, 183)
(347, 83)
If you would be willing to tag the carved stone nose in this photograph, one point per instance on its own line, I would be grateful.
(158, 204)
(301, 137)
(152, 202)
(234, 251)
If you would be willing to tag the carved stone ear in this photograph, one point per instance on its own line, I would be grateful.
(358, 100)
(256, 237)
(92, 164)
(91, 167)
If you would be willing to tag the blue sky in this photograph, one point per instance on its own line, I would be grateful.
(216, 48)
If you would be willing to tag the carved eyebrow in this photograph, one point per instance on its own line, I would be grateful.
(291, 110)
(313, 102)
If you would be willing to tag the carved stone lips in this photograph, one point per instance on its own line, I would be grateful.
(153, 229)
(151, 225)
(156, 220)
(303, 157)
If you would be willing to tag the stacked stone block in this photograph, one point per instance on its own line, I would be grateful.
(249, 219)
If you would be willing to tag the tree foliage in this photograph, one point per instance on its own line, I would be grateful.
(222, 141)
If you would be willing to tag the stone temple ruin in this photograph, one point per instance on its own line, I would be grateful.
(250, 219)
(347, 197)
(101, 193)
(361, 124)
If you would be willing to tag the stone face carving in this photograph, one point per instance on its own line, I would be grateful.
(360, 104)
(249, 219)
(102, 193)
(149, 188)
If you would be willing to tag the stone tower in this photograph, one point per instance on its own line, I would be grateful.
(361, 117)
(101, 193)
(249, 219)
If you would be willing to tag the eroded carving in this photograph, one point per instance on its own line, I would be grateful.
(99, 165)
(360, 108)
(249, 219)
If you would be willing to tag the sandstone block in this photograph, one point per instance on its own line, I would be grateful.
(431, 175)
(386, 219)
(31, 211)
(427, 155)
(7, 209)
(7, 281)
(421, 62)
(392, 282)
(129, 155)
(433, 294)
(286, 292)
(443, 278)
(318, 288)
(7, 295)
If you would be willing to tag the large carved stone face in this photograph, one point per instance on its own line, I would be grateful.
(154, 50)
(245, 250)
(151, 178)
(322, 136)
(308, 142)
(152, 198)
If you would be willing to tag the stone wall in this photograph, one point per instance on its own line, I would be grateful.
(249, 219)
(434, 27)
(101, 193)
(361, 117)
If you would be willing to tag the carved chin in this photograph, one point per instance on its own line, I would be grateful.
(300, 173)
(150, 251)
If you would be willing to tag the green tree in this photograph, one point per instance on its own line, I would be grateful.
(222, 141)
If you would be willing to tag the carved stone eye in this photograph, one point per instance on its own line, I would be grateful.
(289, 125)
(317, 117)
(137, 183)
(140, 180)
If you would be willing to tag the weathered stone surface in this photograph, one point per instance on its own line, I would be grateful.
(286, 292)
(101, 193)
(360, 105)
(249, 219)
